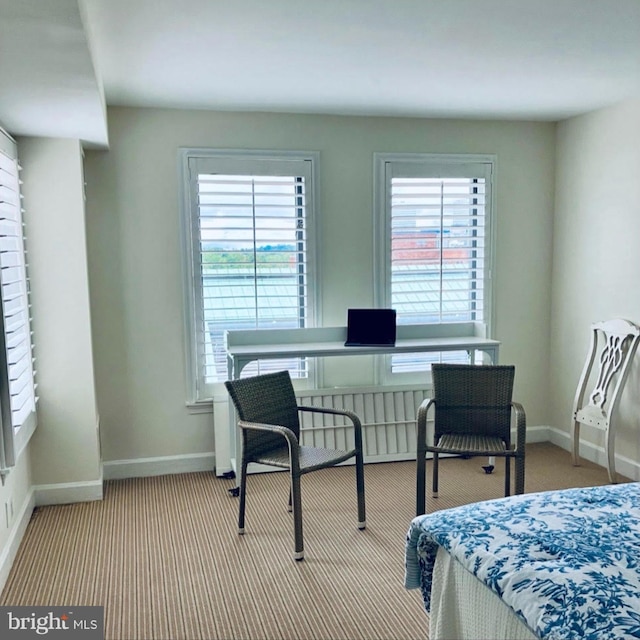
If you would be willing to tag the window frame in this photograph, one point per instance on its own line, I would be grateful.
(239, 161)
(15, 438)
(432, 163)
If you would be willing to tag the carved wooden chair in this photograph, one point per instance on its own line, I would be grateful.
(473, 410)
(269, 421)
(613, 346)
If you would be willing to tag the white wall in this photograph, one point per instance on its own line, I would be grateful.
(65, 449)
(135, 261)
(596, 257)
(17, 501)
(62, 461)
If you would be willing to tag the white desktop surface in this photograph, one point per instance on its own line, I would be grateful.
(246, 346)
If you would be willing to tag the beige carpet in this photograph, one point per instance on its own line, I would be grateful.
(163, 556)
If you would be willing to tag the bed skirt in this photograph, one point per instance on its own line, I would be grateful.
(463, 608)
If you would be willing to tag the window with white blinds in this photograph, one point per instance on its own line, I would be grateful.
(435, 240)
(251, 254)
(17, 388)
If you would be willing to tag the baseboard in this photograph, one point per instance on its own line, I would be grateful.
(535, 434)
(16, 534)
(594, 453)
(166, 465)
(562, 439)
(67, 492)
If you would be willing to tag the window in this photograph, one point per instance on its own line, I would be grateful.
(434, 243)
(17, 388)
(250, 247)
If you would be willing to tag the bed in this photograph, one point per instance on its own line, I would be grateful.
(556, 564)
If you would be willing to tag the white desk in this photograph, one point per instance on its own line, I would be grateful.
(245, 346)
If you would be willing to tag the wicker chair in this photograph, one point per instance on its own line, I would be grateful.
(473, 410)
(269, 421)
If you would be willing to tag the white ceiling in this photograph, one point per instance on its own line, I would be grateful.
(506, 59)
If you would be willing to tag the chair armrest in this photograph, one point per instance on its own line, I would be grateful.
(421, 425)
(336, 412)
(521, 426)
(285, 432)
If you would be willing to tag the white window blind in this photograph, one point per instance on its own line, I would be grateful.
(436, 244)
(17, 388)
(251, 255)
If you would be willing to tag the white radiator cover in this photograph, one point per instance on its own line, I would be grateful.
(388, 418)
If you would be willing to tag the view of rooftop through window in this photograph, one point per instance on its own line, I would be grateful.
(437, 249)
(253, 261)
(437, 256)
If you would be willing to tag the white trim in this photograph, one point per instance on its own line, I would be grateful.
(8, 145)
(188, 277)
(535, 434)
(165, 465)
(16, 534)
(594, 453)
(202, 406)
(382, 244)
(188, 228)
(67, 492)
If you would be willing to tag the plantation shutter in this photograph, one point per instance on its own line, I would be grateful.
(437, 269)
(251, 255)
(17, 388)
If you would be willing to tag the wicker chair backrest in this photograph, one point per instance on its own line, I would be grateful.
(473, 399)
(268, 399)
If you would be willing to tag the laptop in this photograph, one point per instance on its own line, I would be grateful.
(371, 328)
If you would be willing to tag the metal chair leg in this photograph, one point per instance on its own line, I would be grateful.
(243, 496)
(362, 516)
(435, 475)
(421, 483)
(507, 476)
(297, 517)
(519, 465)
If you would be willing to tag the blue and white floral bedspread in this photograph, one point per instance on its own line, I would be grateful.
(567, 562)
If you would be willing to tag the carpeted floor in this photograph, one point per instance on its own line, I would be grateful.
(163, 557)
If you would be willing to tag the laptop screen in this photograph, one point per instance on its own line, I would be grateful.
(371, 327)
